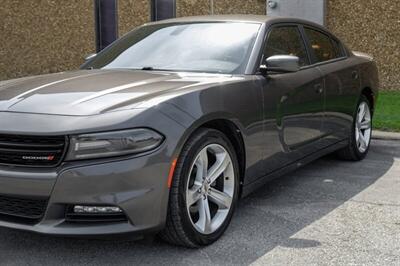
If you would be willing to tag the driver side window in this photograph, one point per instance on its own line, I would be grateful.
(286, 40)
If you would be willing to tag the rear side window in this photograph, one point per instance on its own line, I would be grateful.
(338, 48)
(323, 46)
(286, 41)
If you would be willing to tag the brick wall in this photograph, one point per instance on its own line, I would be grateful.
(206, 7)
(372, 27)
(41, 36)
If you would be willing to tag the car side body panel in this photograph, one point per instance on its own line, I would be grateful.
(341, 94)
(238, 102)
(293, 110)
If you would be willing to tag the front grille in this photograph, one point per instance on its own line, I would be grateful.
(33, 151)
(21, 210)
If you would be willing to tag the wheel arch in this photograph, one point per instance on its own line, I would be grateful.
(370, 95)
(230, 128)
(234, 134)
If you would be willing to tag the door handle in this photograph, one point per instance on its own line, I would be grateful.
(318, 88)
(354, 75)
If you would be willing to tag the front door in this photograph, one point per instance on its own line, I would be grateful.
(293, 102)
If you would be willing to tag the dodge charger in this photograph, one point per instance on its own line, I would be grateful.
(168, 127)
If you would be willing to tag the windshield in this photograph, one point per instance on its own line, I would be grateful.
(196, 47)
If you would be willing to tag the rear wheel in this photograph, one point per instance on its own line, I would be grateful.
(204, 190)
(360, 138)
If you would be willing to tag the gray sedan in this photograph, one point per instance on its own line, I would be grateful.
(164, 130)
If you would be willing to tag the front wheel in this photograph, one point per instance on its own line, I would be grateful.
(204, 190)
(360, 138)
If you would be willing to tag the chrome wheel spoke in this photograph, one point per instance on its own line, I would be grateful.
(363, 143)
(357, 135)
(193, 195)
(220, 198)
(202, 165)
(366, 124)
(361, 113)
(204, 222)
(223, 161)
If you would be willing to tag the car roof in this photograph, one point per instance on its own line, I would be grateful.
(237, 18)
(212, 18)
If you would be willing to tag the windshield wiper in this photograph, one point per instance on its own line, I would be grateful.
(148, 68)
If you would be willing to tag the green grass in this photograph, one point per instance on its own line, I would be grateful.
(387, 113)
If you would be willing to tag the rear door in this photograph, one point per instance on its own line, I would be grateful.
(293, 101)
(341, 82)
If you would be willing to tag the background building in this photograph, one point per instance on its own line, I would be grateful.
(42, 36)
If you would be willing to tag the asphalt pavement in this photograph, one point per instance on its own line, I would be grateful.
(328, 213)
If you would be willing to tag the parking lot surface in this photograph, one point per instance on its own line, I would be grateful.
(328, 213)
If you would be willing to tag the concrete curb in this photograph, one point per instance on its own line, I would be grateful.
(376, 134)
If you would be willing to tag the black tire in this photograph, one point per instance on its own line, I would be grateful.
(351, 151)
(179, 229)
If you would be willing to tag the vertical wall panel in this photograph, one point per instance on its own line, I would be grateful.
(163, 9)
(313, 10)
(106, 17)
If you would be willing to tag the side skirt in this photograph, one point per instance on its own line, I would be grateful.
(246, 190)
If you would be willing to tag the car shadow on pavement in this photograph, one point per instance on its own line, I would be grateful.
(266, 219)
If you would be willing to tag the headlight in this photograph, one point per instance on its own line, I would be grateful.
(109, 144)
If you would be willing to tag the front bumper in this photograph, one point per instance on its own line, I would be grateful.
(138, 185)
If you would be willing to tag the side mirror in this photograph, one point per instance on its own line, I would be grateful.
(89, 57)
(281, 64)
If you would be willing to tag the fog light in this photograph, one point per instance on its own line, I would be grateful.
(96, 209)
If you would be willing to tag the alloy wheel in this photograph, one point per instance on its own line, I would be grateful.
(210, 189)
(363, 127)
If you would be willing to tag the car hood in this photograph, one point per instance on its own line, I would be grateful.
(91, 92)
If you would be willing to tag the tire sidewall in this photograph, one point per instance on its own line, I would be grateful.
(205, 138)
